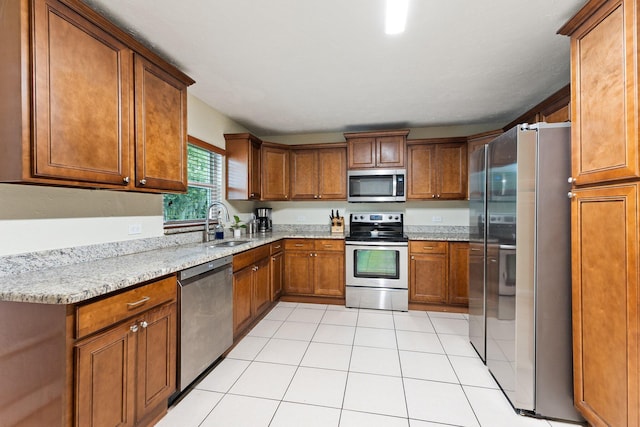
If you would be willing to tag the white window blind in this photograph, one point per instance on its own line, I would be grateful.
(204, 175)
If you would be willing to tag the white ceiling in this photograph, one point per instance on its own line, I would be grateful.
(300, 66)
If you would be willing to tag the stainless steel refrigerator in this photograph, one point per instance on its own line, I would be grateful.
(477, 249)
(528, 269)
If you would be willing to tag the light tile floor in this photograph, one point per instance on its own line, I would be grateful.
(317, 365)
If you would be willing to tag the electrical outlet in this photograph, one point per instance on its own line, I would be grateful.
(135, 228)
(436, 218)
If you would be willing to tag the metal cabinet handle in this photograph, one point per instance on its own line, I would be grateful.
(571, 180)
(273, 258)
(252, 195)
(474, 249)
(131, 305)
(315, 196)
(298, 245)
(143, 182)
(413, 257)
(571, 195)
(144, 324)
(133, 328)
(433, 196)
(428, 247)
(438, 196)
(125, 179)
(493, 260)
(320, 196)
(278, 247)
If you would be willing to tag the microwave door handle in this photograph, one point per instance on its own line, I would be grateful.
(395, 186)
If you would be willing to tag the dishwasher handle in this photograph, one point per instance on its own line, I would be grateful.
(206, 268)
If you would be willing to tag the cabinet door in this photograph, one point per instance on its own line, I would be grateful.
(255, 167)
(605, 304)
(329, 273)
(361, 153)
(298, 277)
(428, 278)
(390, 151)
(261, 287)
(277, 275)
(604, 130)
(82, 99)
(304, 174)
(242, 292)
(161, 128)
(104, 379)
(458, 292)
(452, 171)
(275, 173)
(421, 171)
(332, 174)
(156, 365)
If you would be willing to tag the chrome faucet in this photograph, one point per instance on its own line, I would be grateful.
(223, 208)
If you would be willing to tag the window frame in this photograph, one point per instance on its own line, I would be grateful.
(214, 149)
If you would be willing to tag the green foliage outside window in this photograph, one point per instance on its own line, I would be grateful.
(204, 172)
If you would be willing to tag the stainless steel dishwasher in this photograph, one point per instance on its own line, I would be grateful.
(206, 317)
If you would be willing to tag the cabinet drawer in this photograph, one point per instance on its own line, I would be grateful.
(299, 244)
(100, 314)
(329, 245)
(276, 247)
(246, 258)
(427, 247)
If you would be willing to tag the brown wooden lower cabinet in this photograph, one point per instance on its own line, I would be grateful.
(277, 269)
(125, 373)
(605, 225)
(314, 267)
(251, 286)
(458, 274)
(438, 273)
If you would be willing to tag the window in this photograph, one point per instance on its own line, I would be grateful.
(204, 173)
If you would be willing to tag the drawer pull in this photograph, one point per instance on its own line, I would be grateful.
(131, 305)
(277, 247)
(144, 324)
(299, 245)
(133, 328)
(428, 247)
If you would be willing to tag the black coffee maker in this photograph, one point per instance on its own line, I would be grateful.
(263, 215)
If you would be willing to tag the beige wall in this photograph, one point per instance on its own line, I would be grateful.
(34, 218)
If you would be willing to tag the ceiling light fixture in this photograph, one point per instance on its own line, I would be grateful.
(396, 16)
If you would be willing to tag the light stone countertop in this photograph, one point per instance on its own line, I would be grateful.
(76, 282)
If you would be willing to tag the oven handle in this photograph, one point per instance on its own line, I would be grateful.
(365, 243)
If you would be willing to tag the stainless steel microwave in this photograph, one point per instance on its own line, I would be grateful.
(376, 185)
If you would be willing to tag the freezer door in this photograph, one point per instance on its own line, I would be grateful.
(477, 249)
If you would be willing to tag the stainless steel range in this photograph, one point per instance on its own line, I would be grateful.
(377, 265)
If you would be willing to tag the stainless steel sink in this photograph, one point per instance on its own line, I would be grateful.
(229, 243)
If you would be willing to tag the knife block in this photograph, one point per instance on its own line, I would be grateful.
(337, 225)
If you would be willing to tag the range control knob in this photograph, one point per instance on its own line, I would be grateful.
(390, 217)
(397, 218)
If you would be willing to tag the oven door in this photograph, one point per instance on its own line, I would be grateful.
(377, 264)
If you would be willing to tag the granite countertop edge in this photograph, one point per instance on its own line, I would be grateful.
(75, 283)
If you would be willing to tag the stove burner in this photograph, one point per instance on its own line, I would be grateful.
(377, 227)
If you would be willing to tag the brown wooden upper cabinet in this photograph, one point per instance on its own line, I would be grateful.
(384, 150)
(604, 130)
(437, 169)
(319, 173)
(76, 128)
(275, 172)
(243, 166)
